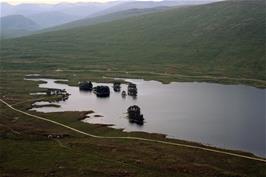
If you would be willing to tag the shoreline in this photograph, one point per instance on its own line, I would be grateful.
(161, 136)
(161, 139)
(163, 78)
(165, 136)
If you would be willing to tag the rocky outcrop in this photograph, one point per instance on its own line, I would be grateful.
(86, 86)
(102, 91)
(134, 115)
(132, 89)
(117, 86)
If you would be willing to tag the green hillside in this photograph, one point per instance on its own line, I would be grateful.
(219, 39)
(16, 25)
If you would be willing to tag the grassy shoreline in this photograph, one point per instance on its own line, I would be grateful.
(84, 114)
(118, 157)
(102, 79)
(74, 77)
(72, 119)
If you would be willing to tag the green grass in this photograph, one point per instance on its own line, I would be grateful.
(219, 39)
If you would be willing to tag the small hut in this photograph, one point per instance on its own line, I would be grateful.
(134, 115)
(132, 89)
(102, 91)
(86, 86)
(117, 86)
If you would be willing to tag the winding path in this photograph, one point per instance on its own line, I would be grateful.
(136, 138)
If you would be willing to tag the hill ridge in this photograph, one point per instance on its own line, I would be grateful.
(220, 39)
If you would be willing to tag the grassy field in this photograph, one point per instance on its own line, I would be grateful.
(222, 42)
(26, 151)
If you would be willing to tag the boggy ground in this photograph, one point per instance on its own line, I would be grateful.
(26, 150)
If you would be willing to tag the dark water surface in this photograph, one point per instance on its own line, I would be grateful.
(226, 116)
